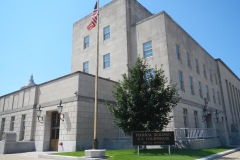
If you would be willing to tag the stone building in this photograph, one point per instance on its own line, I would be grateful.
(206, 116)
(73, 128)
(127, 31)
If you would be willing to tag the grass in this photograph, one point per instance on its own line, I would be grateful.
(154, 154)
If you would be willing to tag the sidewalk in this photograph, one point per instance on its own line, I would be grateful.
(18, 157)
(41, 156)
(232, 156)
(22, 156)
(235, 153)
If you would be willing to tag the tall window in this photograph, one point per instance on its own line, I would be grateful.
(178, 54)
(106, 60)
(185, 117)
(191, 85)
(197, 66)
(216, 79)
(204, 71)
(207, 93)
(12, 123)
(180, 80)
(106, 33)
(213, 95)
(211, 77)
(200, 89)
(2, 128)
(23, 126)
(149, 74)
(196, 119)
(219, 99)
(86, 42)
(147, 49)
(188, 60)
(86, 67)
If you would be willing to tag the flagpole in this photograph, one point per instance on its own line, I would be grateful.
(95, 141)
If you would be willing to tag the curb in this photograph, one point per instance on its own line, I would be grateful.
(221, 154)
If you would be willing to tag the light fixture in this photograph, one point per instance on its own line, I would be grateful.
(76, 93)
(39, 113)
(59, 108)
(216, 116)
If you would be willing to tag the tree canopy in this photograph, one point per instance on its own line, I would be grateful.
(143, 99)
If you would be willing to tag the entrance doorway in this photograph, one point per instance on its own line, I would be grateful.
(55, 123)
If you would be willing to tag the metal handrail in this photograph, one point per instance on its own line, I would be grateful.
(195, 133)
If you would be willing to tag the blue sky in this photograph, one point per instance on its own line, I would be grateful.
(36, 36)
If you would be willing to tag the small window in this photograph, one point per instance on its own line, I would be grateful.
(213, 95)
(2, 128)
(86, 42)
(204, 71)
(219, 98)
(191, 85)
(185, 117)
(210, 73)
(200, 89)
(106, 33)
(180, 80)
(147, 49)
(188, 60)
(197, 66)
(149, 74)
(23, 126)
(216, 79)
(106, 60)
(207, 93)
(178, 54)
(12, 123)
(196, 119)
(86, 67)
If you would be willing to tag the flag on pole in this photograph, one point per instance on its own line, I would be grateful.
(93, 18)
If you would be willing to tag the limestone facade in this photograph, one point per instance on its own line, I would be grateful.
(209, 90)
(75, 131)
(166, 44)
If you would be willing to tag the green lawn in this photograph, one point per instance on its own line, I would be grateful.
(154, 154)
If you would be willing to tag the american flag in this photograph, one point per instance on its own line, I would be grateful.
(93, 18)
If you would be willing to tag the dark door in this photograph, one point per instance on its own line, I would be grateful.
(55, 123)
(209, 121)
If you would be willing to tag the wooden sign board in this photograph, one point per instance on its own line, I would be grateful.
(153, 138)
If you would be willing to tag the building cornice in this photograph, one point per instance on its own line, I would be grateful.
(220, 61)
(56, 79)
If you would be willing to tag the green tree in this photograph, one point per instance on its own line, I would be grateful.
(143, 99)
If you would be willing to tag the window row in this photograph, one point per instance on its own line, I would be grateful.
(148, 52)
(200, 88)
(197, 65)
(12, 126)
(106, 35)
(186, 121)
(233, 94)
(106, 63)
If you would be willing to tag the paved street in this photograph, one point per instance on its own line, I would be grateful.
(18, 157)
(22, 156)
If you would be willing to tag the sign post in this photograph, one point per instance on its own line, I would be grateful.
(138, 150)
(169, 150)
